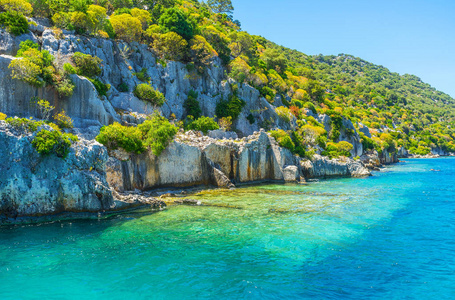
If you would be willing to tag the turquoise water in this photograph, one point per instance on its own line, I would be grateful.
(391, 236)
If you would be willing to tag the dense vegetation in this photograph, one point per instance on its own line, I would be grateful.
(154, 134)
(399, 110)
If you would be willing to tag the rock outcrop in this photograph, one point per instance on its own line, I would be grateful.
(324, 167)
(31, 184)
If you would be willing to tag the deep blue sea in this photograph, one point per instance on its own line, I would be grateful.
(390, 236)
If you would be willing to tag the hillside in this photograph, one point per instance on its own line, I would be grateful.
(191, 61)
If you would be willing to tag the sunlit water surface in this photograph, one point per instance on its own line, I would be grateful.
(390, 236)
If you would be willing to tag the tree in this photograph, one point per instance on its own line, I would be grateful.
(126, 27)
(141, 15)
(274, 60)
(170, 46)
(221, 6)
(175, 20)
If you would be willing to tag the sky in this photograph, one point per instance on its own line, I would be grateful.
(406, 36)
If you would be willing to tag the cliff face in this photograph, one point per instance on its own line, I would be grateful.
(120, 61)
(194, 160)
(31, 184)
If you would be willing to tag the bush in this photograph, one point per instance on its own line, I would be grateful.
(117, 136)
(142, 75)
(43, 106)
(170, 46)
(2, 116)
(310, 106)
(123, 87)
(62, 120)
(24, 124)
(334, 150)
(21, 7)
(191, 105)
(15, 23)
(367, 143)
(157, 132)
(100, 87)
(284, 113)
(230, 108)
(283, 139)
(87, 65)
(53, 141)
(225, 123)
(126, 27)
(147, 93)
(64, 87)
(251, 119)
(201, 52)
(69, 69)
(25, 70)
(203, 124)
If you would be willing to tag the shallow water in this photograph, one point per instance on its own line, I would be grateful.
(391, 236)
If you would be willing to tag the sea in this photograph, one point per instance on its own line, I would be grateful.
(388, 236)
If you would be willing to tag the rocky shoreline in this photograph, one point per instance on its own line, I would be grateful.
(89, 183)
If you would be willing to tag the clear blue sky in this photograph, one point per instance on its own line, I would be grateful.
(405, 36)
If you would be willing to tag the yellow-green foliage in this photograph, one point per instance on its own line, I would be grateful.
(25, 70)
(142, 15)
(62, 120)
(284, 113)
(312, 134)
(158, 132)
(338, 149)
(203, 124)
(117, 136)
(201, 52)
(126, 27)
(146, 92)
(53, 141)
(2, 116)
(283, 139)
(22, 7)
(170, 46)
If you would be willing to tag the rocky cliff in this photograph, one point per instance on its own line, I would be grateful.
(92, 180)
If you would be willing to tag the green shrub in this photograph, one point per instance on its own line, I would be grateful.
(283, 139)
(53, 141)
(191, 105)
(25, 70)
(284, 113)
(142, 75)
(203, 124)
(117, 136)
(14, 22)
(87, 65)
(123, 87)
(158, 132)
(69, 69)
(310, 106)
(64, 87)
(334, 150)
(62, 120)
(146, 92)
(100, 87)
(230, 108)
(367, 143)
(170, 46)
(24, 124)
(251, 119)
